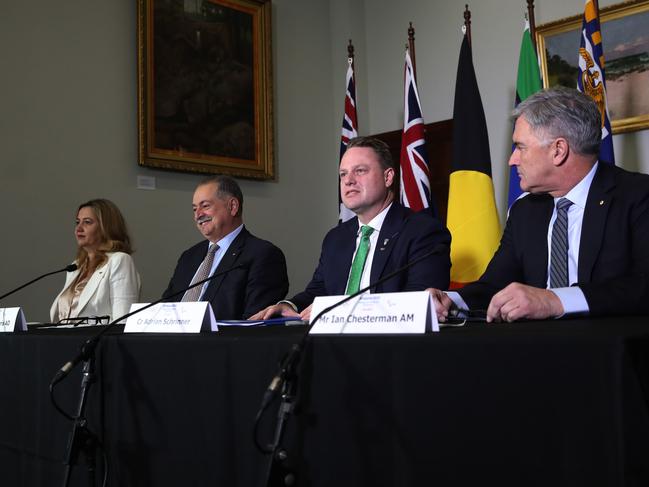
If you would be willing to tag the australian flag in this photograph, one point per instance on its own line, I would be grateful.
(350, 129)
(591, 75)
(415, 175)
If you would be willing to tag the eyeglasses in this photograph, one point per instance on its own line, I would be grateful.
(85, 320)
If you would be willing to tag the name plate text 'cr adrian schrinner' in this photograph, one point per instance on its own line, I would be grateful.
(189, 317)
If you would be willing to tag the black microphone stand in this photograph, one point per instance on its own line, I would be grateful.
(69, 268)
(277, 473)
(287, 378)
(81, 439)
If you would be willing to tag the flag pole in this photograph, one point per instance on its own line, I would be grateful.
(350, 53)
(350, 60)
(467, 23)
(530, 18)
(411, 48)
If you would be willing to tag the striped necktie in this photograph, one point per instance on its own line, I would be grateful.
(559, 246)
(203, 272)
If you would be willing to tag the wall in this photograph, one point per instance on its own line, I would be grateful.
(68, 129)
(69, 133)
(496, 31)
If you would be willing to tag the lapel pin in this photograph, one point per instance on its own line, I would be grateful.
(601, 202)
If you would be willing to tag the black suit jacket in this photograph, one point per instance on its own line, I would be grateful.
(613, 264)
(261, 281)
(404, 236)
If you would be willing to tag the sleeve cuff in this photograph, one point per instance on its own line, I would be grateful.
(457, 300)
(291, 304)
(572, 299)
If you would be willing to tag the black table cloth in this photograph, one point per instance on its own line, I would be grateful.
(540, 403)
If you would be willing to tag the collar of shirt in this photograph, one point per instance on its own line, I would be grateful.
(579, 194)
(376, 223)
(225, 242)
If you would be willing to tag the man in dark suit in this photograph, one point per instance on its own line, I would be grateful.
(262, 278)
(577, 244)
(383, 236)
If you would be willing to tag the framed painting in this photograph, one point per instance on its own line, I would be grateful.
(205, 86)
(626, 53)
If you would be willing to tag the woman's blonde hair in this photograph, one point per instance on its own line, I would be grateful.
(113, 232)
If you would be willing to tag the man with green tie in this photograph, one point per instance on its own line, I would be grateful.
(383, 237)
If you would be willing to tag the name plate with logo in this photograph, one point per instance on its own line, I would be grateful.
(12, 319)
(190, 317)
(396, 313)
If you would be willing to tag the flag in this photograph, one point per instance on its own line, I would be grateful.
(350, 129)
(528, 81)
(472, 215)
(415, 177)
(591, 78)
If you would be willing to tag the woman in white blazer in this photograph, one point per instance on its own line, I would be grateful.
(106, 282)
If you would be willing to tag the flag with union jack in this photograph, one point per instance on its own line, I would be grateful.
(591, 75)
(350, 128)
(415, 175)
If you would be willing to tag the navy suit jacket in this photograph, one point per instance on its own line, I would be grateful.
(261, 281)
(404, 237)
(613, 267)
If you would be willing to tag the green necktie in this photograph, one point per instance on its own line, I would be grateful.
(353, 285)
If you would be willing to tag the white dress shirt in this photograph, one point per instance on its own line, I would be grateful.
(376, 223)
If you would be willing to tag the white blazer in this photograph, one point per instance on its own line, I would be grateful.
(111, 289)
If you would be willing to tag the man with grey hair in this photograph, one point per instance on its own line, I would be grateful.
(577, 244)
(258, 267)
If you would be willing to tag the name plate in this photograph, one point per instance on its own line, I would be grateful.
(400, 313)
(12, 319)
(190, 317)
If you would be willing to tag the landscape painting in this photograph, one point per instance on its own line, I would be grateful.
(625, 37)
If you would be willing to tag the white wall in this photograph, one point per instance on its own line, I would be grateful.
(68, 129)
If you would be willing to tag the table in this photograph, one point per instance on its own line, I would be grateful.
(540, 403)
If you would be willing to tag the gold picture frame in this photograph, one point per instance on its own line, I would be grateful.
(626, 52)
(205, 86)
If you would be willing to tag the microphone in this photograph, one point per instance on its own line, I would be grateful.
(87, 349)
(286, 376)
(292, 357)
(68, 268)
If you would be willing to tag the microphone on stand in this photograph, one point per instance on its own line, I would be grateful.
(287, 377)
(68, 268)
(292, 357)
(87, 349)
